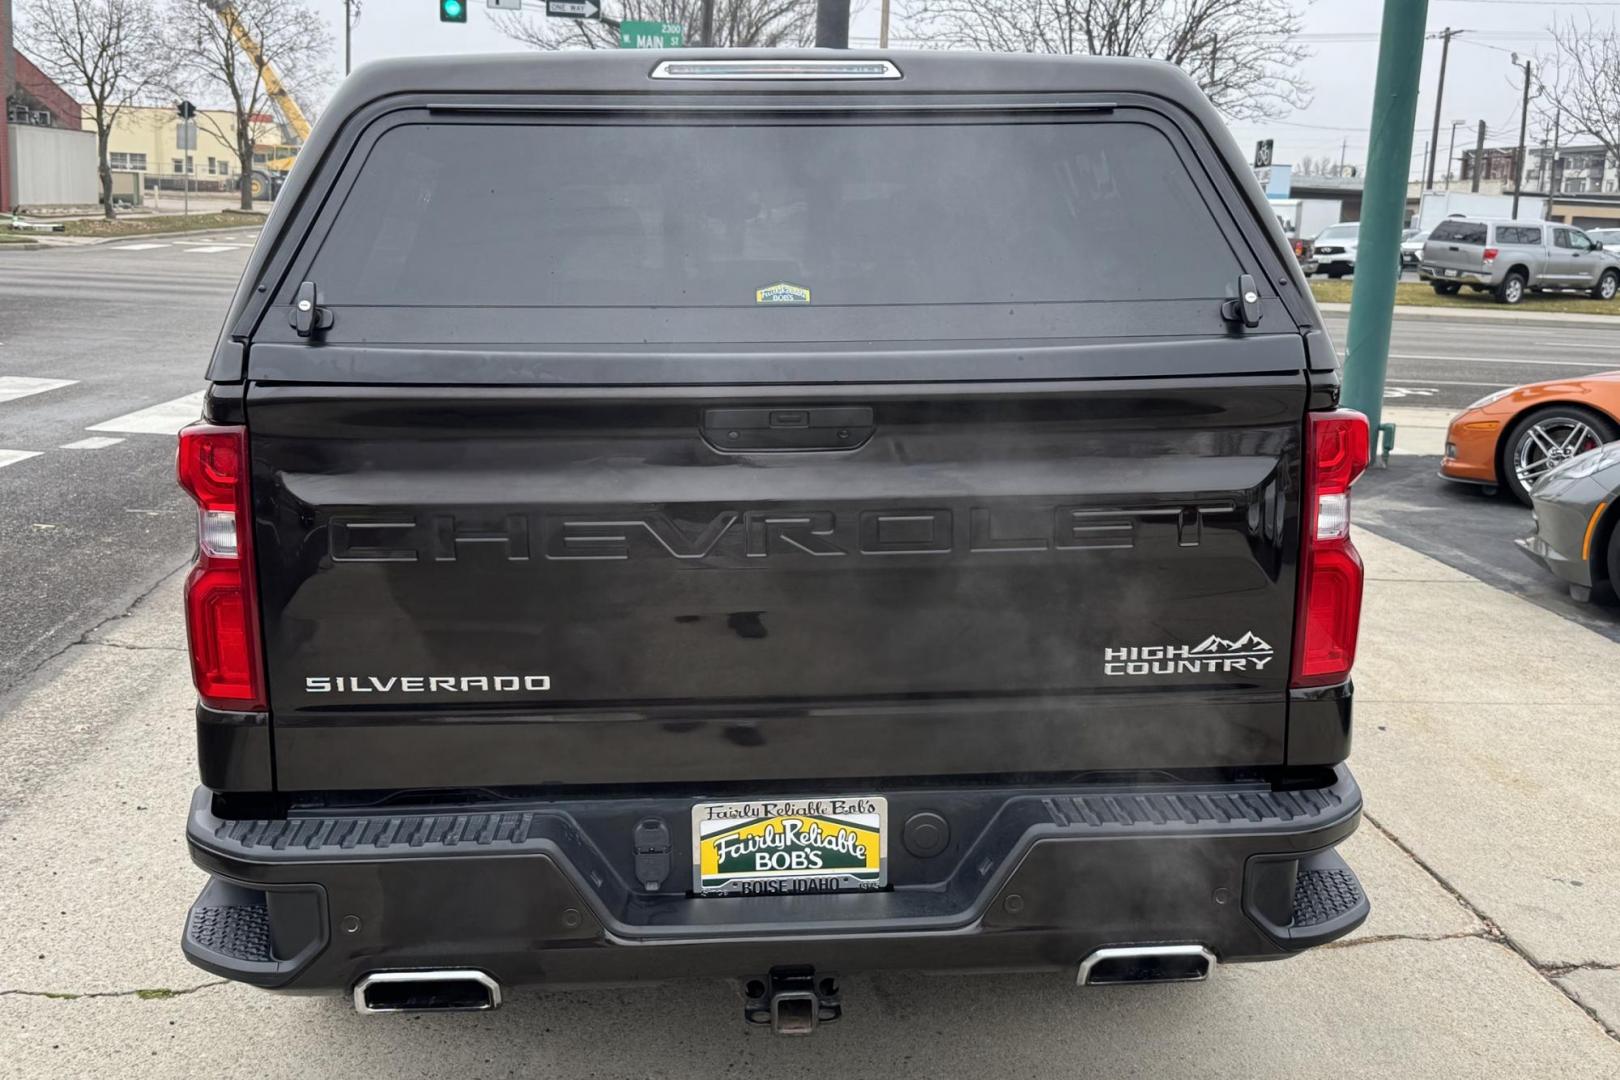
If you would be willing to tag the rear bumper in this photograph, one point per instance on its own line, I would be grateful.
(548, 892)
(1454, 275)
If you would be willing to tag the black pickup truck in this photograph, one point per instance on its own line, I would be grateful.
(768, 515)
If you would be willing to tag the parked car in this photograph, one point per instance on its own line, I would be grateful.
(1577, 507)
(1511, 257)
(1306, 256)
(627, 552)
(1514, 437)
(1412, 241)
(1334, 249)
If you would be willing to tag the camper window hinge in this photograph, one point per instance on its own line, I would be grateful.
(1245, 306)
(307, 316)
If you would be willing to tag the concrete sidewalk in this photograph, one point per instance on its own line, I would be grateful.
(1419, 429)
(1486, 742)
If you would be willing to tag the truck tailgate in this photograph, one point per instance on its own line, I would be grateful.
(508, 586)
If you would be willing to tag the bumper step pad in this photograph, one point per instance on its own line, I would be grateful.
(1327, 898)
(237, 931)
(259, 936)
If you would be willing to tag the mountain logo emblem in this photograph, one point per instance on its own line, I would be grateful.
(1248, 643)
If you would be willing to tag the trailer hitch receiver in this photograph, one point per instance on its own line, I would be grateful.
(791, 1000)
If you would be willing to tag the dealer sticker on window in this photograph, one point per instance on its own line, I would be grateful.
(776, 846)
(783, 292)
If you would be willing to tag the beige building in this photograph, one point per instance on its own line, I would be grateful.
(147, 140)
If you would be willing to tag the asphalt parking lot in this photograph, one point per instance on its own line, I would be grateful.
(1486, 720)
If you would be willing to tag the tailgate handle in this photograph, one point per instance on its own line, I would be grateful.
(833, 427)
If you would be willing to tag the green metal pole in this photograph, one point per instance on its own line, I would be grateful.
(1383, 209)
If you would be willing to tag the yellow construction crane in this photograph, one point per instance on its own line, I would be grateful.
(265, 176)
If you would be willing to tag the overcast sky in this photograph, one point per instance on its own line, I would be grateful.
(1481, 82)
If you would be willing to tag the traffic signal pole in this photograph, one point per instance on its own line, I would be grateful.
(1383, 212)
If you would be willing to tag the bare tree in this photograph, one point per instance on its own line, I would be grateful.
(737, 24)
(250, 53)
(1306, 166)
(107, 50)
(1582, 80)
(1243, 53)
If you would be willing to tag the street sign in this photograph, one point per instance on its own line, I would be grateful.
(650, 35)
(1262, 154)
(506, 5)
(573, 9)
(185, 135)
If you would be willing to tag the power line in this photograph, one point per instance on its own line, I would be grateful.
(1540, 3)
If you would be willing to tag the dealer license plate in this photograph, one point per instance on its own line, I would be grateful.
(765, 847)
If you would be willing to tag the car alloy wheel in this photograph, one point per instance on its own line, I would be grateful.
(1607, 286)
(1513, 290)
(1548, 443)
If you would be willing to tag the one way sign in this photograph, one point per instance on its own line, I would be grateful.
(574, 9)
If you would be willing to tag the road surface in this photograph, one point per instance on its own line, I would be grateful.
(102, 351)
(1448, 363)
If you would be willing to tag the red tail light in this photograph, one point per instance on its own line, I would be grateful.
(222, 620)
(1490, 255)
(1329, 616)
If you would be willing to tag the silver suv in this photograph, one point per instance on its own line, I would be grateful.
(1508, 257)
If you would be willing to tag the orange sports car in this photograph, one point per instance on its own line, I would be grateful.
(1510, 438)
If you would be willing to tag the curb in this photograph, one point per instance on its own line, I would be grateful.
(97, 241)
(1407, 312)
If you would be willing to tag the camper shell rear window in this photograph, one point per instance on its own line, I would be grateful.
(1460, 232)
(642, 217)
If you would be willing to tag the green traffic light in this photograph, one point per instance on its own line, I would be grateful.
(452, 11)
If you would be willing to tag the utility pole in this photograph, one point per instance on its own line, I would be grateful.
(1554, 179)
(832, 24)
(1451, 152)
(883, 26)
(348, 25)
(1425, 170)
(1479, 155)
(1439, 97)
(1524, 120)
(1344, 146)
(1383, 211)
(706, 30)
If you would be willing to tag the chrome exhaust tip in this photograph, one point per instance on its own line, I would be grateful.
(1122, 964)
(439, 990)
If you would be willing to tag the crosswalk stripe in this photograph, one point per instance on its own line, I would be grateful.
(13, 387)
(137, 247)
(11, 457)
(210, 249)
(94, 442)
(163, 419)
